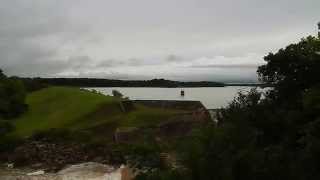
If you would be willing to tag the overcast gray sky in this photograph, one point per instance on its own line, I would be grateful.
(143, 39)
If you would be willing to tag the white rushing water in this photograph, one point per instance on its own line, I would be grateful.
(83, 171)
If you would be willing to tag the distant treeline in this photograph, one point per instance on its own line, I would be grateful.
(93, 82)
(250, 84)
(38, 83)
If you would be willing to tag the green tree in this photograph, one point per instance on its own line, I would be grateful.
(117, 94)
(12, 97)
(275, 137)
(294, 69)
(2, 76)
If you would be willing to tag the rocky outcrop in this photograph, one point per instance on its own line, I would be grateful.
(53, 156)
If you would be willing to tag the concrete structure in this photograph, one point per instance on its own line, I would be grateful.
(172, 104)
(189, 115)
(194, 108)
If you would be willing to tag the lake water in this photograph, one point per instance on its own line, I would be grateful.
(211, 97)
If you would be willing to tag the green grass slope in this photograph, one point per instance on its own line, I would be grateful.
(58, 107)
(81, 110)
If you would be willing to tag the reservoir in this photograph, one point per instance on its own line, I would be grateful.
(211, 97)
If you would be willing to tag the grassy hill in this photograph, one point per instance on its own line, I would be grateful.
(82, 111)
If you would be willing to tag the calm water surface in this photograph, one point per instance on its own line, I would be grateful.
(211, 97)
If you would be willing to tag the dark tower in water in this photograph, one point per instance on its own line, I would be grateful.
(319, 29)
(182, 93)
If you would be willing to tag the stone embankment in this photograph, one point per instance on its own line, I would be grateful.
(172, 104)
(193, 114)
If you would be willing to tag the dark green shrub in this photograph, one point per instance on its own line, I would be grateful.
(5, 127)
(12, 98)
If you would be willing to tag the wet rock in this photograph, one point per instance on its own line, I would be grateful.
(52, 156)
(91, 170)
(10, 165)
(83, 171)
(36, 173)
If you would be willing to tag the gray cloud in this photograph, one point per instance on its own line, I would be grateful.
(131, 62)
(185, 40)
(110, 63)
(175, 58)
(227, 66)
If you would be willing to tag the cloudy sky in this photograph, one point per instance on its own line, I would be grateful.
(143, 39)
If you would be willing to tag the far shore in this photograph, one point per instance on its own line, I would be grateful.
(157, 83)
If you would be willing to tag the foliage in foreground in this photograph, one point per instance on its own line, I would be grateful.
(12, 102)
(275, 137)
(12, 97)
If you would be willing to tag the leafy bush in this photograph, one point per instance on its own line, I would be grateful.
(33, 84)
(276, 137)
(117, 94)
(5, 127)
(12, 97)
(8, 144)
